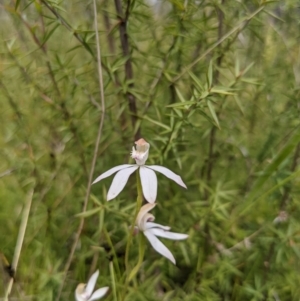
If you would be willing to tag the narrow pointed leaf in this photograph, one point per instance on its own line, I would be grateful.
(199, 86)
(181, 98)
(182, 104)
(237, 68)
(276, 162)
(219, 90)
(210, 75)
(89, 212)
(248, 68)
(157, 123)
(213, 113)
(238, 102)
(17, 4)
(49, 34)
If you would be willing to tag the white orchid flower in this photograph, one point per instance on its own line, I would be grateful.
(144, 223)
(147, 174)
(84, 291)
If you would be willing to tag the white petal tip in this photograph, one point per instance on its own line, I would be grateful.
(181, 183)
(98, 294)
(184, 236)
(172, 259)
(180, 236)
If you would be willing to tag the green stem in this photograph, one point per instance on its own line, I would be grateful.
(113, 280)
(115, 258)
(139, 202)
(141, 257)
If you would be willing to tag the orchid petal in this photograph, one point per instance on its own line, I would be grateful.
(99, 293)
(143, 211)
(150, 225)
(149, 183)
(91, 284)
(158, 246)
(80, 293)
(167, 234)
(168, 173)
(111, 171)
(120, 181)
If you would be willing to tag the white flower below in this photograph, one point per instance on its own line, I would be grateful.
(281, 218)
(147, 174)
(144, 223)
(84, 292)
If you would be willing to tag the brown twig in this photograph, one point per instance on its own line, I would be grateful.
(212, 136)
(128, 65)
(112, 49)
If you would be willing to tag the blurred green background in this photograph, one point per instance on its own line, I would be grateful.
(213, 86)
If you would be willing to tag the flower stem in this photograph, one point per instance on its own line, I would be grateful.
(139, 202)
(141, 257)
(111, 269)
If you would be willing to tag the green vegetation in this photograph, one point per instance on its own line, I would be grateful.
(213, 86)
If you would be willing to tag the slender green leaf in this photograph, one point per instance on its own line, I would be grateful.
(213, 112)
(88, 213)
(210, 75)
(181, 104)
(17, 4)
(181, 98)
(274, 165)
(221, 91)
(196, 80)
(157, 123)
(49, 34)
